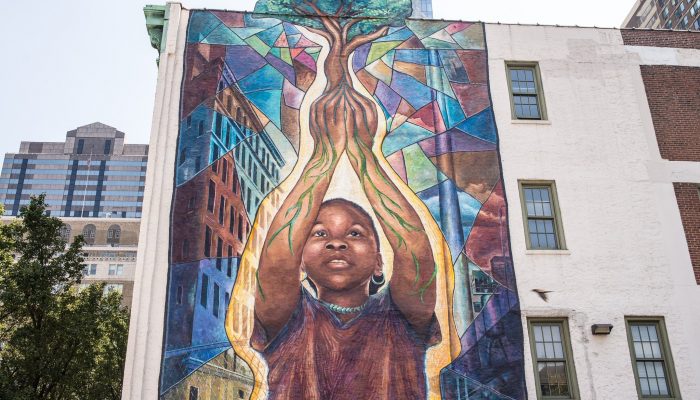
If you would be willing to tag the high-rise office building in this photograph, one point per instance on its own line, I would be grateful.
(94, 182)
(92, 174)
(664, 14)
(422, 9)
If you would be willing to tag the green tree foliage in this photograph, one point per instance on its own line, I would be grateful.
(56, 342)
(366, 16)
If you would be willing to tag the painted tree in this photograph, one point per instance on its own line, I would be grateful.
(346, 25)
(341, 113)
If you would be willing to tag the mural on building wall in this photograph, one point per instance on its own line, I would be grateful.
(339, 223)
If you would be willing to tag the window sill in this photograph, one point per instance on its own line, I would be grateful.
(559, 252)
(531, 121)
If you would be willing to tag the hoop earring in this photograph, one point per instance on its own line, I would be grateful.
(378, 280)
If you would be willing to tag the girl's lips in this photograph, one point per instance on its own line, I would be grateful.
(337, 264)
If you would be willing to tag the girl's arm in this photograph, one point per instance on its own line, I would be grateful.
(278, 283)
(413, 281)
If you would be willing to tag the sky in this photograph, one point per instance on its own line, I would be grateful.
(69, 63)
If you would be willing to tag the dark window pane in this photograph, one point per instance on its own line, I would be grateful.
(211, 196)
(215, 303)
(204, 293)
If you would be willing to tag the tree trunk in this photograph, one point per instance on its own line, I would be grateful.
(341, 107)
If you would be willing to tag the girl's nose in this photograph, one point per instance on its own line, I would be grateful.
(336, 245)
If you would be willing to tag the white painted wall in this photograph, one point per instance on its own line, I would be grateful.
(143, 356)
(627, 254)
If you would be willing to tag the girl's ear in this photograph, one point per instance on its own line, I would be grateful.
(379, 269)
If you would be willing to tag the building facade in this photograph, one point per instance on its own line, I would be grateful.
(92, 174)
(556, 174)
(664, 14)
(94, 182)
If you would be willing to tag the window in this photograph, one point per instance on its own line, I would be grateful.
(219, 250)
(192, 202)
(185, 249)
(204, 295)
(113, 287)
(90, 269)
(116, 269)
(555, 376)
(222, 209)
(543, 228)
(231, 219)
(114, 234)
(183, 155)
(194, 393)
(207, 242)
(65, 232)
(89, 234)
(229, 264)
(178, 296)
(224, 172)
(240, 228)
(525, 91)
(651, 358)
(215, 304)
(211, 196)
(217, 121)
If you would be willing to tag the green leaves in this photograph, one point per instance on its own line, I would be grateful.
(366, 16)
(56, 342)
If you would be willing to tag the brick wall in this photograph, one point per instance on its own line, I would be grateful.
(674, 102)
(688, 198)
(661, 38)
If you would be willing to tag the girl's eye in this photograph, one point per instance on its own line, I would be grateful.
(320, 233)
(355, 234)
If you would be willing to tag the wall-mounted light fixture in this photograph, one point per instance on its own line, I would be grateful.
(601, 329)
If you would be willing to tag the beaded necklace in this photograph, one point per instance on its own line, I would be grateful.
(344, 310)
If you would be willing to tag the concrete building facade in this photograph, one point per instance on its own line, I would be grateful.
(602, 184)
(94, 182)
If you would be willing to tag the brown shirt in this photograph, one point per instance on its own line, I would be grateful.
(376, 355)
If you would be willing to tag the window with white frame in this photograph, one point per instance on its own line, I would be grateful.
(116, 269)
(90, 269)
(113, 287)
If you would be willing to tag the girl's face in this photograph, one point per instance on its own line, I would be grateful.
(341, 251)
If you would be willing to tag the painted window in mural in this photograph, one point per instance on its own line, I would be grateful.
(367, 252)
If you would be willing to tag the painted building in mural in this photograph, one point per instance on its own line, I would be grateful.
(353, 198)
(94, 182)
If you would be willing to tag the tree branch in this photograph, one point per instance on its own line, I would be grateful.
(358, 41)
(347, 26)
(321, 32)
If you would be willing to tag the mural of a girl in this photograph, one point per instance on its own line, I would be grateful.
(345, 341)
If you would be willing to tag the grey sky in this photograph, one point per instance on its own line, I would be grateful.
(72, 62)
